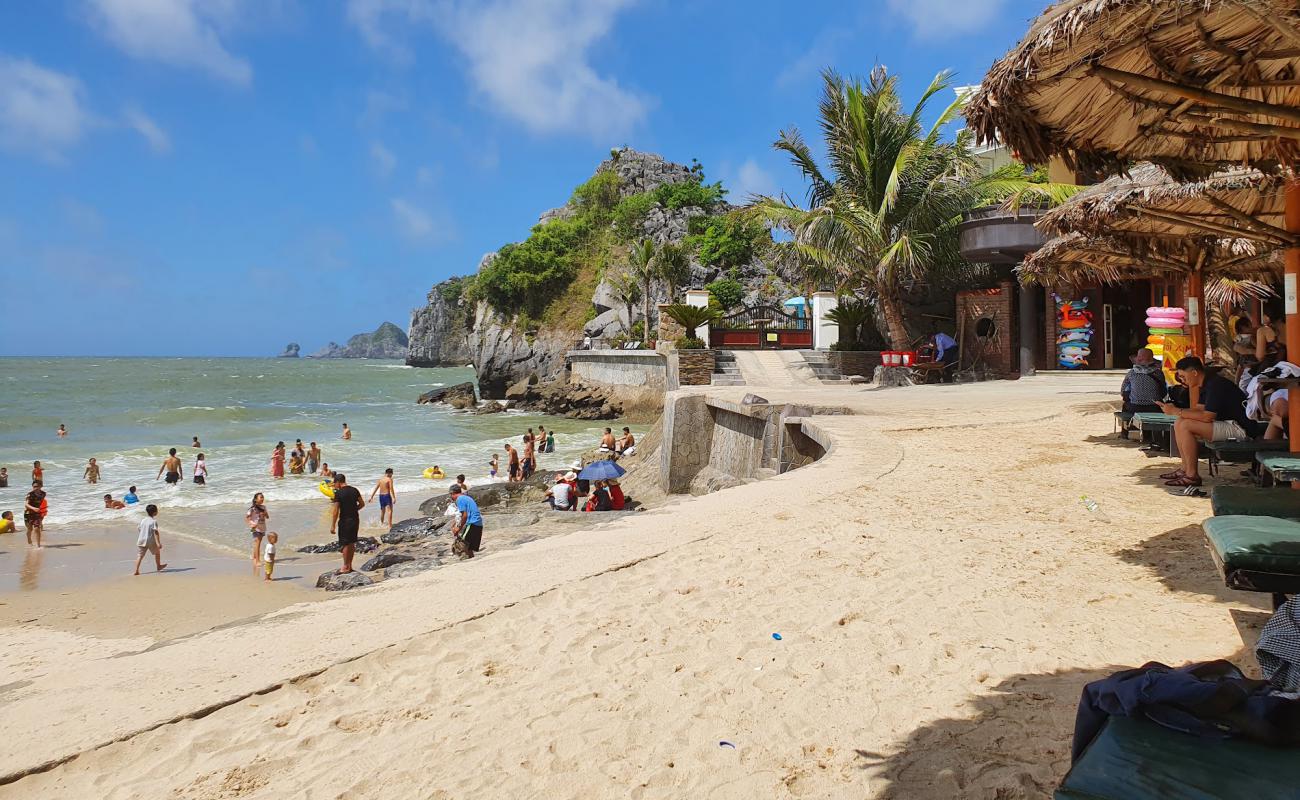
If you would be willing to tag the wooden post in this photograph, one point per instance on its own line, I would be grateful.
(1196, 310)
(1290, 278)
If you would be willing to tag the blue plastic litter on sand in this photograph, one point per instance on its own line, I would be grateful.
(776, 636)
(725, 743)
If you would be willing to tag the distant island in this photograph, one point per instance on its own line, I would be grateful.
(387, 341)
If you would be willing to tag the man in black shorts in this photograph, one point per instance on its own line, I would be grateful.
(347, 517)
(172, 466)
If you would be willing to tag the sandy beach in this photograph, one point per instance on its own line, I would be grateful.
(940, 594)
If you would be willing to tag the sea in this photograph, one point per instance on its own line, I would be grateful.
(127, 413)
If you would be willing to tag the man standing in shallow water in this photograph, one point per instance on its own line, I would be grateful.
(387, 497)
(347, 518)
(313, 458)
(172, 466)
(347, 432)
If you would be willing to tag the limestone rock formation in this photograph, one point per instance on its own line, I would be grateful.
(387, 341)
(414, 529)
(460, 395)
(291, 350)
(385, 559)
(414, 567)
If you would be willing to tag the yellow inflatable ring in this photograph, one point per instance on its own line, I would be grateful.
(430, 472)
(327, 489)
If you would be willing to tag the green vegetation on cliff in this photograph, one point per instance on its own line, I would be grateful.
(549, 278)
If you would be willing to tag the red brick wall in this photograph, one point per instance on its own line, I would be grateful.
(998, 303)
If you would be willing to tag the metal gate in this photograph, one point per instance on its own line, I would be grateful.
(764, 327)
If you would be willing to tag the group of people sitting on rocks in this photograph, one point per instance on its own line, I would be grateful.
(570, 492)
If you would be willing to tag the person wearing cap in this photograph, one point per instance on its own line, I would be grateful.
(1143, 387)
(467, 530)
(560, 496)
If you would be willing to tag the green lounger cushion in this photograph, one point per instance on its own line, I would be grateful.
(1259, 544)
(1280, 464)
(1140, 760)
(1252, 501)
(1228, 448)
(1154, 418)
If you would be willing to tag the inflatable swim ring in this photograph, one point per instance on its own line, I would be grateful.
(1166, 331)
(430, 472)
(1076, 335)
(327, 489)
(1164, 322)
(1077, 322)
(1166, 311)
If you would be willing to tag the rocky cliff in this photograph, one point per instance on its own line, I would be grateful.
(457, 326)
(387, 341)
(291, 350)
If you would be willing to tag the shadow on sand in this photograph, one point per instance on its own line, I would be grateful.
(1180, 559)
(1014, 742)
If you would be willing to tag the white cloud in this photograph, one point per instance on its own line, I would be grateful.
(812, 61)
(425, 176)
(751, 179)
(946, 19)
(81, 217)
(379, 104)
(41, 111)
(385, 161)
(414, 222)
(530, 59)
(157, 138)
(182, 33)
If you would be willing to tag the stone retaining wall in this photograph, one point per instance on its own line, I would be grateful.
(695, 367)
(641, 369)
(855, 362)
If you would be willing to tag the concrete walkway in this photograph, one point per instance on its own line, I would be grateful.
(767, 368)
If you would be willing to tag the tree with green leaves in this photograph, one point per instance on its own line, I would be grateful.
(690, 318)
(627, 290)
(674, 267)
(884, 211)
(642, 260)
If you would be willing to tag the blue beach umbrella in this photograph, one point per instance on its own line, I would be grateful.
(601, 471)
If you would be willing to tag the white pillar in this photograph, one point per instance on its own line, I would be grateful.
(825, 332)
(700, 299)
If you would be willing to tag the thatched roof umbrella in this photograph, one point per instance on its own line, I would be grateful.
(1234, 270)
(1228, 217)
(1193, 85)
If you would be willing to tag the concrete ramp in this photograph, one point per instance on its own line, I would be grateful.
(768, 368)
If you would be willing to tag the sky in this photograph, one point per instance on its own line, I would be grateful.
(221, 177)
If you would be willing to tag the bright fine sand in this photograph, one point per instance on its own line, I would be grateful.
(940, 593)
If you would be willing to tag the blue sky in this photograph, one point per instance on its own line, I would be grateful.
(220, 177)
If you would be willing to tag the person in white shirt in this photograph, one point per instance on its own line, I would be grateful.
(268, 553)
(201, 470)
(560, 496)
(149, 540)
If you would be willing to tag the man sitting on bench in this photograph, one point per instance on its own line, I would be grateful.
(1143, 386)
(1219, 414)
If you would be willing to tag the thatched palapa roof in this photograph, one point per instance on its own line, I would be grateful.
(1079, 259)
(1193, 85)
(1149, 203)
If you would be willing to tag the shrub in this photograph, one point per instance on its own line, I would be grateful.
(690, 317)
(630, 214)
(452, 289)
(728, 241)
(528, 275)
(689, 343)
(691, 192)
(728, 292)
(597, 197)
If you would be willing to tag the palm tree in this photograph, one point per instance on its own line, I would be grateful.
(627, 290)
(674, 267)
(884, 214)
(851, 315)
(691, 317)
(642, 263)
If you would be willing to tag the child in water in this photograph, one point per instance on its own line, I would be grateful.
(493, 465)
(7, 522)
(92, 472)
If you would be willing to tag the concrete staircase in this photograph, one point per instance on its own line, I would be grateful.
(725, 370)
(818, 363)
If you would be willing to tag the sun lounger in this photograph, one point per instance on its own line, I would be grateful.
(1156, 426)
(1122, 420)
(1279, 467)
(1140, 760)
(1256, 554)
(1253, 501)
(1240, 451)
